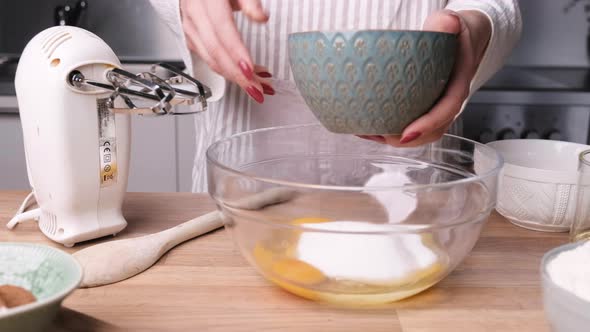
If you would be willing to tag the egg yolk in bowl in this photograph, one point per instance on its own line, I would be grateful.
(335, 265)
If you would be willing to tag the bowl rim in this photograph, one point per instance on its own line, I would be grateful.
(495, 169)
(546, 278)
(352, 31)
(536, 174)
(52, 299)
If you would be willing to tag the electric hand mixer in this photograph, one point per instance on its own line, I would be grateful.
(75, 103)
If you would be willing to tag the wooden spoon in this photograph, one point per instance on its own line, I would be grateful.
(110, 262)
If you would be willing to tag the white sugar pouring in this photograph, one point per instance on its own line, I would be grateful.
(371, 258)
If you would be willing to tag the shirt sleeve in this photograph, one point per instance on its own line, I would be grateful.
(169, 12)
(506, 22)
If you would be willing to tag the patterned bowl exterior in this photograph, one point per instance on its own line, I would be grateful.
(371, 82)
(537, 205)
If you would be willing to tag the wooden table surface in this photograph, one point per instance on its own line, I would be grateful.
(205, 285)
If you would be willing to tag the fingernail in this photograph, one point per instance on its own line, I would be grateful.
(410, 137)
(264, 74)
(267, 89)
(246, 70)
(255, 94)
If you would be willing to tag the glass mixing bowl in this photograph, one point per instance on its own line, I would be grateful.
(340, 219)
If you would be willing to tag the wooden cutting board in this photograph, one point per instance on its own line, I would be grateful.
(205, 285)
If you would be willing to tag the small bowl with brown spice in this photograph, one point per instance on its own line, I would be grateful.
(34, 280)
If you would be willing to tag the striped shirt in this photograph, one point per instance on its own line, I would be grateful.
(235, 112)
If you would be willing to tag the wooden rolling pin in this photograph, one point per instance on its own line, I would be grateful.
(110, 262)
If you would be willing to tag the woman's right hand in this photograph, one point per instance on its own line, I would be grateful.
(211, 32)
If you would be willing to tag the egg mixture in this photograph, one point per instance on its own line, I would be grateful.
(332, 265)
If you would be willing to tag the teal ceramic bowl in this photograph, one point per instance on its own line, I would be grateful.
(372, 82)
(50, 274)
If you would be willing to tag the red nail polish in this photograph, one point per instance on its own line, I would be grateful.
(246, 70)
(267, 89)
(410, 137)
(255, 94)
(264, 74)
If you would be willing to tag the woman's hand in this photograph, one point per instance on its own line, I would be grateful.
(473, 30)
(211, 32)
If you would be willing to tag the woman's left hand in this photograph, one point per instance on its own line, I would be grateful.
(473, 31)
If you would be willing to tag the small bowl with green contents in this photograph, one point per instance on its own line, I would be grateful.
(371, 82)
(34, 280)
